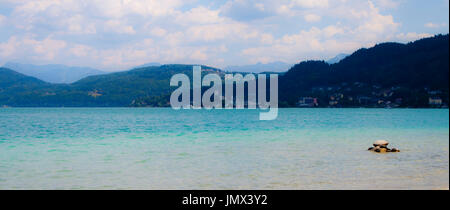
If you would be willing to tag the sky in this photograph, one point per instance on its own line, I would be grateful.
(119, 34)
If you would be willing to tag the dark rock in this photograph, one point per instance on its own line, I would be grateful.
(395, 150)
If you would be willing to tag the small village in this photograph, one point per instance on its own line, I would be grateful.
(372, 96)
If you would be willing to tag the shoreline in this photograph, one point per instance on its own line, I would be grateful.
(402, 108)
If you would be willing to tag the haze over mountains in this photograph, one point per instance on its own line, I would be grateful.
(385, 73)
(62, 74)
(260, 67)
(337, 58)
(54, 73)
(148, 65)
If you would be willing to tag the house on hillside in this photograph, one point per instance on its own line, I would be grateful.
(94, 93)
(434, 92)
(307, 102)
(435, 101)
(333, 103)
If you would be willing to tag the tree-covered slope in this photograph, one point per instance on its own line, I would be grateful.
(419, 65)
(15, 86)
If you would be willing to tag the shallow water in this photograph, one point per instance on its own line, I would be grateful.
(128, 148)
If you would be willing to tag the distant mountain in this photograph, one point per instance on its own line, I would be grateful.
(259, 67)
(337, 58)
(388, 74)
(148, 65)
(53, 73)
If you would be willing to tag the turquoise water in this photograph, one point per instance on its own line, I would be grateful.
(126, 148)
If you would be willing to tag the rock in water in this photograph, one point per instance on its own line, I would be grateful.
(380, 146)
(395, 150)
(380, 143)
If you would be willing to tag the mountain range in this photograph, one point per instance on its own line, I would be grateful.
(260, 67)
(407, 75)
(148, 65)
(54, 73)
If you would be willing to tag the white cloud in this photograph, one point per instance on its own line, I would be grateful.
(260, 6)
(307, 44)
(81, 50)
(199, 54)
(365, 26)
(412, 36)
(119, 27)
(332, 30)
(9, 47)
(46, 49)
(174, 39)
(375, 25)
(157, 31)
(311, 3)
(78, 24)
(32, 7)
(435, 25)
(199, 15)
(119, 8)
(387, 3)
(432, 25)
(78, 16)
(2, 19)
(248, 10)
(267, 38)
(312, 18)
(214, 32)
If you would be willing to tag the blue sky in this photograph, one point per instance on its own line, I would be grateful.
(119, 34)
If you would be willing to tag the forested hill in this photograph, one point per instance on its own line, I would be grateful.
(115, 89)
(387, 75)
(410, 71)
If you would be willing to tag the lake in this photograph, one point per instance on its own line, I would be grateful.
(161, 148)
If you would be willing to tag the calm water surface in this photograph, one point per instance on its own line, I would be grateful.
(125, 148)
